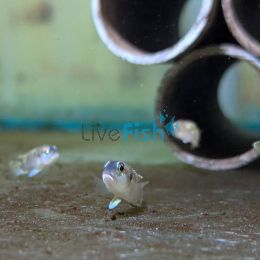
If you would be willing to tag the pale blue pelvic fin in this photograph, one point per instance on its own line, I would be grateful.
(114, 203)
(33, 172)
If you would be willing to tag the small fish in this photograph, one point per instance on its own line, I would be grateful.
(41, 12)
(34, 161)
(256, 146)
(188, 132)
(124, 182)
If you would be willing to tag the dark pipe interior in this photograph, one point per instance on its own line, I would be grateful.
(192, 94)
(149, 25)
(219, 31)
(248, 13)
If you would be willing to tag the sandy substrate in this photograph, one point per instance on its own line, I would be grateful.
(61, 214)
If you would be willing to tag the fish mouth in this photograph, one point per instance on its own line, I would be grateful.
(56, 156)
(108, 178)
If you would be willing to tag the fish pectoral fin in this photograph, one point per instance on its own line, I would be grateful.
(114, 203)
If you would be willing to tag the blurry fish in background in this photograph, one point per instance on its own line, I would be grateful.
(33, 162)
(256, 146)
(124, 182)
(188, 132)
(41, 12)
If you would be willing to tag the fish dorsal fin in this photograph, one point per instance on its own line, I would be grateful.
(114, 203)
(138, 177)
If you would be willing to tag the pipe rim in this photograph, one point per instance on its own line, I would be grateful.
(198, 161)
(238, 30)
(125, 50)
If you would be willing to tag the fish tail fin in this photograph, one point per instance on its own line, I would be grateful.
(135, 197)
(144, 183)
(16, 169)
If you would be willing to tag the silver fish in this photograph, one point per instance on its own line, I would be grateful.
(34, 161)
(188, 132)
(124, 182)
(256, 146)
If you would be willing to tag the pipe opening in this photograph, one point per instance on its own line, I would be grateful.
(188, 16)
(239, 96)
(150, 26)
(191, 92)
(248, 13)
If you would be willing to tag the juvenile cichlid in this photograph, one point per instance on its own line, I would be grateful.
(124, 182)
(188, 132)
(256, 146)
(34, 161)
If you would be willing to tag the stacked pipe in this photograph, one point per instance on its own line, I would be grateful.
(146, 32)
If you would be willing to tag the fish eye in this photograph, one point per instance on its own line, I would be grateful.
(121, 167)
(52, 149)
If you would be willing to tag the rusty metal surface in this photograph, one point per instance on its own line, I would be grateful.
(189, 213)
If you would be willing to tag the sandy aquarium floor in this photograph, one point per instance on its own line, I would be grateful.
(61, 214)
